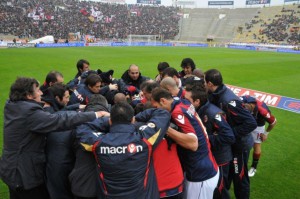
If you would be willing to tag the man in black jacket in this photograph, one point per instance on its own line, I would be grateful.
(26, 124)
(133, 77)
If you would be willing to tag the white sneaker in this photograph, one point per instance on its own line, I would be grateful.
(251, 172)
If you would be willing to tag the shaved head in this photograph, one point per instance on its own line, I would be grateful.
(134, 72)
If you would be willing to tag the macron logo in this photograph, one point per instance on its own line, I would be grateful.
(130, 148)
(180, 119)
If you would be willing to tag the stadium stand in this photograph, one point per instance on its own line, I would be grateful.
(29, 20)
(273, 25)
(217, 24)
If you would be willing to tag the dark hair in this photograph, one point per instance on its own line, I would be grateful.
(121, 113)
(197, 72)
(58, 89)
(214, 76)
(22, 87)
(188, 62)
(96, 102)
(79, 65)
(171, 72)
(144, 84)
(159, 93)
(92, 80)
(52, 76)
(151, 86)
(198, 92)
(162, 66)
(141, 107)
(120, 97)
(194, 81)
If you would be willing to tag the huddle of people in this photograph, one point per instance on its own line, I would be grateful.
(184, 135)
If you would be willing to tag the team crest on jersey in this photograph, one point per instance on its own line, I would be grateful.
(180, 118)
(218, 117)
(232, 103)
(151, 125)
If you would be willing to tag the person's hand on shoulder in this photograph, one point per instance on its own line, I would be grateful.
(113, 87)
(102, 114)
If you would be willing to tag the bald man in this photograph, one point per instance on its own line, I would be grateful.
(169, 84)
(133, 76)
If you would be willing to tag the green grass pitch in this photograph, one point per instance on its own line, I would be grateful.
(278, 73)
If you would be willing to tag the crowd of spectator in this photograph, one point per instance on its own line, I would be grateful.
(284, 27)
(279, 28)
(38, 18)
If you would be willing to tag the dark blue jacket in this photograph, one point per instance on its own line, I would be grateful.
(239, 118)
(60, 162)
(220, 134)
(60, 156)
(82, 93)
(83, 177)
(124, 155)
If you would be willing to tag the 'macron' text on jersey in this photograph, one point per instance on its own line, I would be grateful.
(130, 148)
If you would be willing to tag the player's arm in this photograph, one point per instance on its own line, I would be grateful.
(264, 136)
(90, 132)
(271, 120)
(156, 124)
(223, 134)
(244, 121)
(266, 113)
(185, 140)
(271, 126)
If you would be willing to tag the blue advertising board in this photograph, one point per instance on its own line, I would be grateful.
(58, 45)
(220, 3)
(253, 2)
(149, 1)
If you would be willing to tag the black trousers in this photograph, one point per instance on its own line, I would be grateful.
(238, 174)
(39, 192)
(222, 190)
